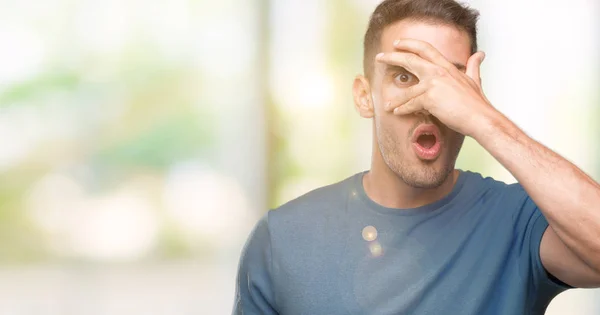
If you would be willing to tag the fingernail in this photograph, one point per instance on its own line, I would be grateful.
(379, 55)
(387, 105)
(482, 56)
(396, 42)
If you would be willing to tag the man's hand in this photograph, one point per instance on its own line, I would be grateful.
(455, 98)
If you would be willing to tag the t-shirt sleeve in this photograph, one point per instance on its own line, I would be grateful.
(530, 226)
(254, 292)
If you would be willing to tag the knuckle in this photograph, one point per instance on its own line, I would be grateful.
(441, 72)
(426, 45)
(412, 90)
(413, 104)
(410, 59)
(429, 96)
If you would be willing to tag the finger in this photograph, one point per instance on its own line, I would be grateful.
(405, 95)
(474, 66)
(413, 105)
(409, 61)
(424, 50)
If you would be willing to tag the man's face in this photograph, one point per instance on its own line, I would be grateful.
(419, 159)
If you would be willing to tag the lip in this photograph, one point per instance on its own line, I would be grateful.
(430, 153)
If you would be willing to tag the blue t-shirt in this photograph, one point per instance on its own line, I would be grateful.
(335, 251)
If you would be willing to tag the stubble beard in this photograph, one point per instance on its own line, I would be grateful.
(420, 174)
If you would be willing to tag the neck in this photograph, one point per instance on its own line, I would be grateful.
(385, 188)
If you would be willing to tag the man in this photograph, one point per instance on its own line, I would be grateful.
(413, 235)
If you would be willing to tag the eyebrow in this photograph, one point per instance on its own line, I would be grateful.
(459, 66)
(395, 68)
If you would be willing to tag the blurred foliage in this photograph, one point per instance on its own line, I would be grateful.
(20, 240)
(171, 139)
(343, 54)
(158, 123)
(37, 87)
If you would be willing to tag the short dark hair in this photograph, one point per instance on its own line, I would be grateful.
(447, 12)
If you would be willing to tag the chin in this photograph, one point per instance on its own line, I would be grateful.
(428, 179)
(424, 174)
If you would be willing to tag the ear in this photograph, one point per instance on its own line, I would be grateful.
(362, 97)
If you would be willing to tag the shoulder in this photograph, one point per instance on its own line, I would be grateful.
(498, 197)
(318, 205)
(300, 224)
(505, 200)
(321, 199)
(490, 186)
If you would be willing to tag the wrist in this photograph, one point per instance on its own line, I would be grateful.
(489, 126)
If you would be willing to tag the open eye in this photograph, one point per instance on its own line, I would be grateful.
(405, 78)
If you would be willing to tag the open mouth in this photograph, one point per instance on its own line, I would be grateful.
(427, 142)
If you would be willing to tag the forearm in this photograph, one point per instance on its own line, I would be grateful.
(568, 198)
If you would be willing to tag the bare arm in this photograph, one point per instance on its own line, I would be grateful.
(568, 198)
